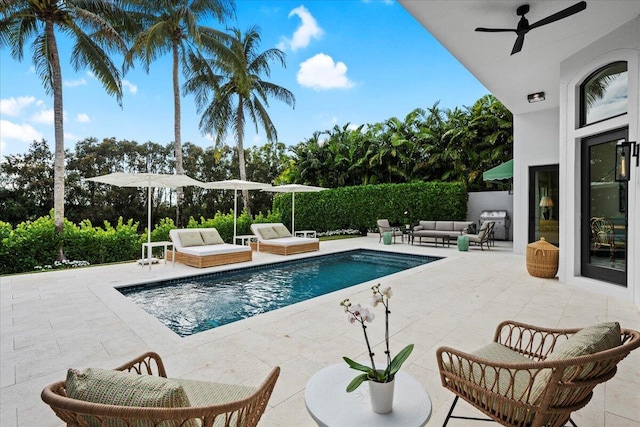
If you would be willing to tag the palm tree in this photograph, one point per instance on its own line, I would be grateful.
(172, 26)
(226, 99)
(89, 26)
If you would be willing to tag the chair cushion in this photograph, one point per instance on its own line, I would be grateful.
(281, 230)
(202, 393)
(125, 389)
(444, 225)
(211, 237)
(428, 225)
(268, 233)
(190, 238)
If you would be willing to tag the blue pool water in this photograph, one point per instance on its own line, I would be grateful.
(195, 304)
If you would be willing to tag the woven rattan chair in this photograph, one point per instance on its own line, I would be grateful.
(245, 412)
(516, 381)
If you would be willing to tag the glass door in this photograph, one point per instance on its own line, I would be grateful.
(544, 204)
(604, 210)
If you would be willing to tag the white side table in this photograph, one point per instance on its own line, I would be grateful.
(305, 233)
(330, 405)
(246, 239)
(148, 246)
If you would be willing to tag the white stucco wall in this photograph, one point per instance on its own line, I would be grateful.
(535, 137)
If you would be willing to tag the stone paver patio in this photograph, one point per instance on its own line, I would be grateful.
(75, 318)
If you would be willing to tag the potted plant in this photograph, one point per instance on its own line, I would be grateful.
(381, 381)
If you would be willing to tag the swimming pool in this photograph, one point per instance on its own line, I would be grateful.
(195, 304)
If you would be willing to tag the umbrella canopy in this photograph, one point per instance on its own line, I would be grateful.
(293, 189)
(148, 180)
(502, 171)
(235, 185)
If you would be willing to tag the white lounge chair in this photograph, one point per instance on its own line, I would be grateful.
(203, 247)
(277, 239)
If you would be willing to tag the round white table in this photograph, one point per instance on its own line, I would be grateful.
(330, 405)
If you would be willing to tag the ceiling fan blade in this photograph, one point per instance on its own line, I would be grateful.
(495, 30)
(578, 7)
(517, 47)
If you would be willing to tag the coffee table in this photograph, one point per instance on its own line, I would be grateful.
(330, 405)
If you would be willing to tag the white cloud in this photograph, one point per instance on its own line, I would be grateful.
(320, 72)
(83, 118)
(13, 106)
(44, 117)
(21, 132)
(74, 83)
(307, 30)
(132, 88)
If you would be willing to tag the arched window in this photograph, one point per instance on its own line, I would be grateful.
(604, 94)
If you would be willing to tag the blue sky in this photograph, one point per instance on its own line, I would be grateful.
(348, 61)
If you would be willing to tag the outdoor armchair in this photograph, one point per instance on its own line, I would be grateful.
(169, 402)
(531, 376)
(483, 236)
(385, 227)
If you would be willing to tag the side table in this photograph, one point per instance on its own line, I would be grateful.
(148, 246)
(330, 405)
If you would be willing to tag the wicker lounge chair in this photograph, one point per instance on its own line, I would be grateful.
(203, 247)
(275, 238)
(532, 377)
(210, 404)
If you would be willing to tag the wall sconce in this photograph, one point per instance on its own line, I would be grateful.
(624, 151)
(535, 97)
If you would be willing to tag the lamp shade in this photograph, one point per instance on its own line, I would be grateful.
(546, 202)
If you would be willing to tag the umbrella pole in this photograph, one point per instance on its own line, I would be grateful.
(149, 223)
(293, 213)
(235, 213)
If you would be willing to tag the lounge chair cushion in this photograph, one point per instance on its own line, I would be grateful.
(211, 237)
(125, 389)
(281, 230)
(268, 233)
(190, 238)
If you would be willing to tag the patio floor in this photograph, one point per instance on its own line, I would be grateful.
(75, 318)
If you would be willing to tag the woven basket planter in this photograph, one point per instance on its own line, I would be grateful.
(542, 259)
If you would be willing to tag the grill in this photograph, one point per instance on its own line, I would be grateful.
(501, 220)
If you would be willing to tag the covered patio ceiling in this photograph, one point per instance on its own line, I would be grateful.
(537, 67)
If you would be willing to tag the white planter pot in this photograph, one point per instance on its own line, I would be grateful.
(381, 395)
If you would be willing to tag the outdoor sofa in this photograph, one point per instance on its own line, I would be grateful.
(277, 239)
(439, 231)
(203, 247)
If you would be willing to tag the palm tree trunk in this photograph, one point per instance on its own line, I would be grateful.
(176, 131)
(58, 163)
(241, 160)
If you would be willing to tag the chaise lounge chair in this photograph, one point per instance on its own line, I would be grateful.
(277, 239)
(203, 247)
(139, 393)
(531, 376)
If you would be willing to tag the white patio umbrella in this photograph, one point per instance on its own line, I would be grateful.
(148, 180)
(293, 189)
(235, 185)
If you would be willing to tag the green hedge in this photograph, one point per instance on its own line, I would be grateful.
(35, 243)
(359, 207)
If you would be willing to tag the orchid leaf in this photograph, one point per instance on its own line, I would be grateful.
(397, 361)
(355, 383)
(358, 366)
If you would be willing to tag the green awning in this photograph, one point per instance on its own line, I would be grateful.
(503, 171)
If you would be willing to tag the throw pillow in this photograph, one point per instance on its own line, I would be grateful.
(125, 389)
(211, 237)
(281, 230)
(190, 238)
(268, 233)
(471, 229)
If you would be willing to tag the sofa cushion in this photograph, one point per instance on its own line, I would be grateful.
(461, 225)
(268, 233)
(444, 225)
(428, 225)
(281, 230)
(211, 237)
(125, 389)
(190, 238)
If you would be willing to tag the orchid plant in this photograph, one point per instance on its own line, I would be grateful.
(358, 314)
